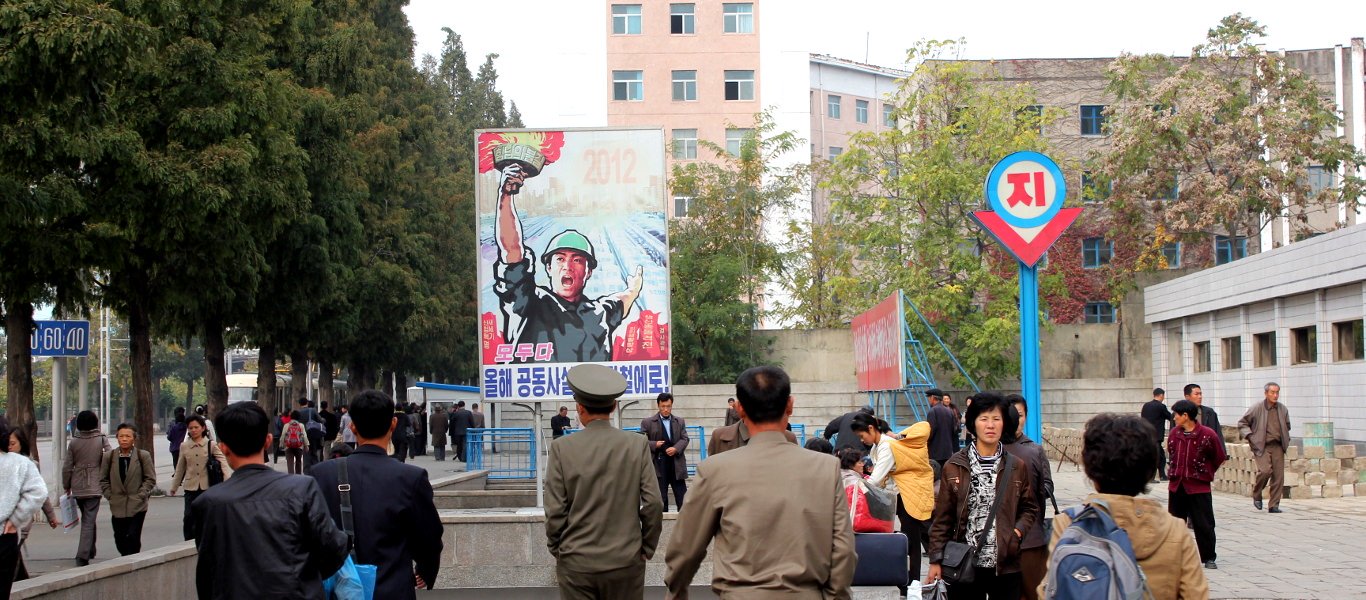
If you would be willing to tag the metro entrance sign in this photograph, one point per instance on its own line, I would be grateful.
(1026, 191)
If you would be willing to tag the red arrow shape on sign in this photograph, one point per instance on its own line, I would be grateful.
(1028, 252)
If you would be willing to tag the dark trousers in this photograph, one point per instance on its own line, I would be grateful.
(400, 450)
(90, 510)
(128, 533)
(439, 449)
(9, 562)
(1199, 508)
(626, 582)
(188, 524)
(917, 532)
(458, 444)
(175, 458)
(294, 461)
(987, 584)
(315, 447)
(671, 480)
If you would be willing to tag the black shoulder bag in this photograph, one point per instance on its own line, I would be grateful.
(213, 469)
(960, 558)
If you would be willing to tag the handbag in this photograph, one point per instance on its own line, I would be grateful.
(213, 469)
(365, 574)
(868, 508)
(960, 559)
(71, 512)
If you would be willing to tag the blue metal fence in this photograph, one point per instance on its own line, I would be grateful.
(696, 451)
(799, 430)
(515, 455)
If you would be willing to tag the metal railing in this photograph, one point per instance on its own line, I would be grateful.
(696, 451)
(511, 452)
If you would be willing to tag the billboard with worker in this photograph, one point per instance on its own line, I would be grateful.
(573, 259)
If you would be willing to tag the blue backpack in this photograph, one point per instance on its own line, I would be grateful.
(1094, 559)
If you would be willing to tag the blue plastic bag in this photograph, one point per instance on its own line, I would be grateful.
(348, 583)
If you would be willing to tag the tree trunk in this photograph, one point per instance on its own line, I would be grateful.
(401, 387)
(387, 386)
(189, 396)
(298, 372)
(325, 395)
(19, 369)
(266, 394)
(355, 378)
(215, 371)
(140, 363)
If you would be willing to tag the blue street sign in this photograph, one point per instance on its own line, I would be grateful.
(60, 338)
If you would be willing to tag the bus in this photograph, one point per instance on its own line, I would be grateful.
(242, 388)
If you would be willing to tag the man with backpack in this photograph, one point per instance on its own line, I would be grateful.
(316, 429)
(1141, 542)
(294, 439)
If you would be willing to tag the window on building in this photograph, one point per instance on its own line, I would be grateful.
(739, 85)
(1172, 254)
(1032, 117)
(1096, 252)
(1100, 312)
(1201, 357)
(682, 204)
(835, 152)
(1304, 345)
(1348, 343)
(682, 19)
(861, 111)
(1319, 179)
(832, 106)
(739, 18)
(685, 85)
(1233, 353)
(685, 144)
(628, 85)
(1170, 188)
(625, 19)
(1229, 248)
(1264, 346)
(735, 140)
(1093, 119)
(888, 117)
(1094, 188)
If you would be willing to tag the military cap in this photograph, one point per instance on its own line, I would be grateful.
(596, 386)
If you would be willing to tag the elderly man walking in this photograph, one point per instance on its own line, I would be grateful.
(1266, 427)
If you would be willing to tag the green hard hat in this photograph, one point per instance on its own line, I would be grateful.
(570, 239)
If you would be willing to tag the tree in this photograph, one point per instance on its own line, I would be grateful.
(186, 208)
(721, 262)
(1227, 140)
(61, 64)
(900, 219)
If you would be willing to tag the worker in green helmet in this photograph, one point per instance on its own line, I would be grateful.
(580, 328)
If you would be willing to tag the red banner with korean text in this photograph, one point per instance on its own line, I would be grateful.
(878, 346)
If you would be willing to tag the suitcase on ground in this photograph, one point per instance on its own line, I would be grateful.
(881, 559)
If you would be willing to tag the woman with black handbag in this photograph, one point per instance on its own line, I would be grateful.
(201, 465)
(984, 505)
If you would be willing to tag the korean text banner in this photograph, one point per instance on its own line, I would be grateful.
(879, 363)
(573, 259)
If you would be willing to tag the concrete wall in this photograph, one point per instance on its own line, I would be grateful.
(167, 572)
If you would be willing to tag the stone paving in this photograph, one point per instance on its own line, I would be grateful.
(1312, 550)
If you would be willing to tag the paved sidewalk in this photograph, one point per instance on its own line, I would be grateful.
(1312, 550)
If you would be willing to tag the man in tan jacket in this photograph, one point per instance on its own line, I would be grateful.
(603, 513)
(1266, 427)
(776, 511)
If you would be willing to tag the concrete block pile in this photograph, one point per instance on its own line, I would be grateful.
(1310, 472)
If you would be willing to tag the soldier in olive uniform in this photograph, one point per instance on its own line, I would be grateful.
(603, 513)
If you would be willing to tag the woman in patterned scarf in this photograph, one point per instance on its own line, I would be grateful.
(971, 481)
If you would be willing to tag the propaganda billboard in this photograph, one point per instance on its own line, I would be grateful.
(573, 259)
(879, 361)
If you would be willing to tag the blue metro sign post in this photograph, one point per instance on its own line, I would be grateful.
(1026, 191)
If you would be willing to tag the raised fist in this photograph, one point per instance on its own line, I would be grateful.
(512, 179)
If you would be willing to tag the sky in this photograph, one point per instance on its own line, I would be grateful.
(551, 51)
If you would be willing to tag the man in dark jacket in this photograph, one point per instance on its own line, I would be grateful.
(395, 520)
(461, 420)
(331, 424)
(559, 423)
(943, 429)
(1034, 544)
(437, 426)
(315, 429)
(668, 437)
(1155, 412)
(402, 435)
(1207, 416)
(847, 438)
(261, 533)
